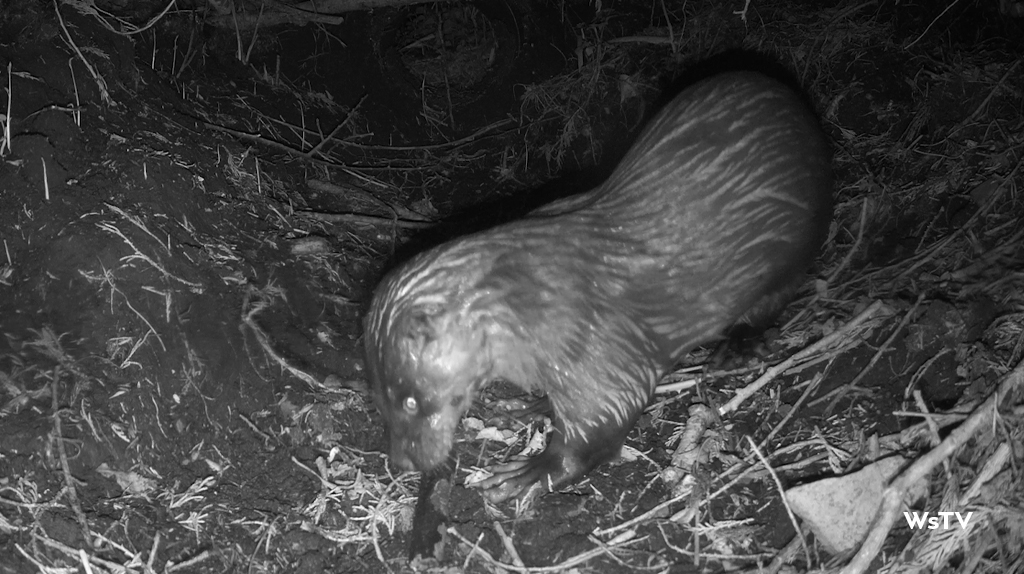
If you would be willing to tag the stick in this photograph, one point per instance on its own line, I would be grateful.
(892, 498)
(826, 342)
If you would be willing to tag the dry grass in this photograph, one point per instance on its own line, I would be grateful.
(880, 271)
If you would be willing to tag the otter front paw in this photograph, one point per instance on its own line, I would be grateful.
(523, 478)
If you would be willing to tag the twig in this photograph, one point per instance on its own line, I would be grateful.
(932, 23)
(6, 119)
(69, 480)
(856, 244)
(205, 555)
(510, 546)
(250, 309)
(127, 28)
(987, 260)
(108, 277)
(368, 219)
(74, 552)
(196, 288)
(962, 230)
(839, 393)
(892, 498)
(977, 111)
(137, 222)
(811, 387)
(776, 370)
(101, 84)
(334, 132)
(349, 190)
(430, 147)
(570, 563)
(782, 495)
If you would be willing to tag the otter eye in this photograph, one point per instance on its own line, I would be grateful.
(410, 405)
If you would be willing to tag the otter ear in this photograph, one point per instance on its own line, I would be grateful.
(438, 345)
(420, 330)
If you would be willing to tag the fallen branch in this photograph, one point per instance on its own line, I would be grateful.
(892, 499)
(826, 342)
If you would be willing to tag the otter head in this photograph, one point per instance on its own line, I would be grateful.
(426, 364)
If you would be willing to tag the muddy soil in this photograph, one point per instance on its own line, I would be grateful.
(193, 227)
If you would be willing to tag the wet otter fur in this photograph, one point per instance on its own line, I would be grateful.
(709, 221)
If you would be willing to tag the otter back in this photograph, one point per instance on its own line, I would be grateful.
(710, 219)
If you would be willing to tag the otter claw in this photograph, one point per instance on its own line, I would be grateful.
(522, 478)
(507, 480)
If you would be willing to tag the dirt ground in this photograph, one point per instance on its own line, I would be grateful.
(193, 225)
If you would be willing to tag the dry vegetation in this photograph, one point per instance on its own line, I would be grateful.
(123, 452)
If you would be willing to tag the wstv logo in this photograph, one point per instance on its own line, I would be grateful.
(943, 520)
